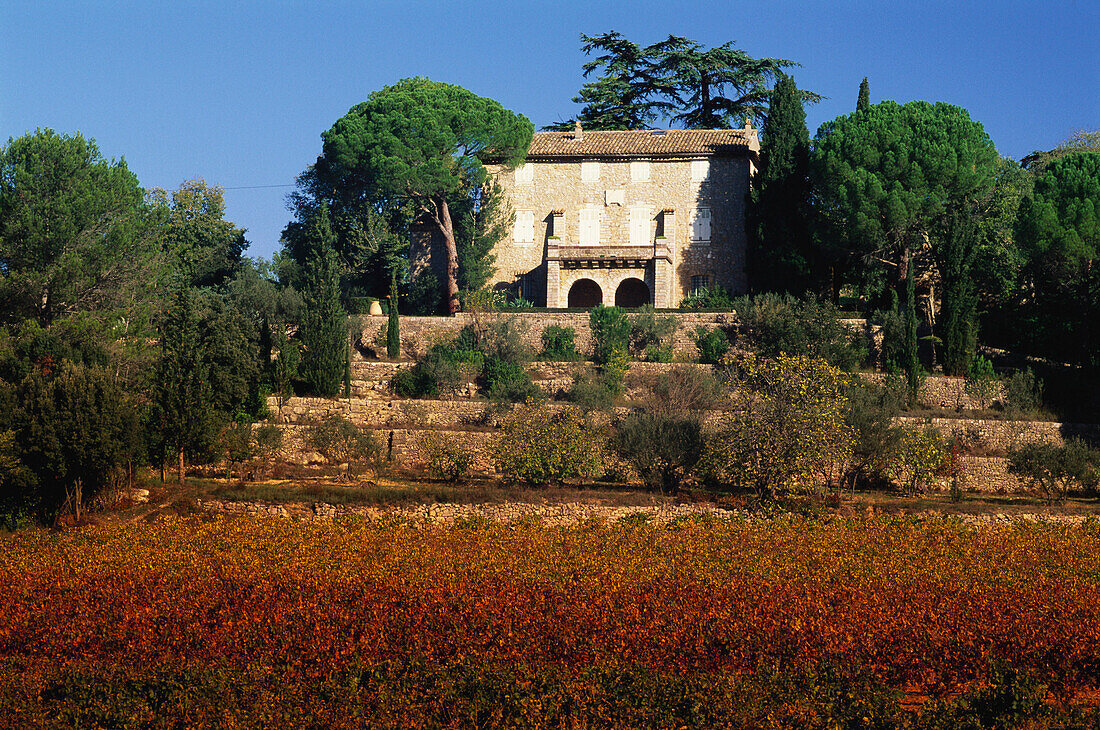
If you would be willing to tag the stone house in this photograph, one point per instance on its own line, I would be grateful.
(627, 218)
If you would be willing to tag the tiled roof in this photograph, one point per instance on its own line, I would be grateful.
(643, 143)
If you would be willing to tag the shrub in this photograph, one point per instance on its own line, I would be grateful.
(503, 338)
(981, 382)
(340, 441)
(659, 353)
(507, 381)
(1023, 393)
(712, 345)
(714, 297)
(269, 440)
(610, 332)
(775, 324)
(683, 391)
(650, 332)
(445, 458)
(425, 294)
(1051, 471)
(592, 392)
(538, 446)
(790, 428)
(663, 448)
(558, 343)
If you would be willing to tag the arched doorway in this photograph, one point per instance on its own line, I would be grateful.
(632, 293)
(585, 293)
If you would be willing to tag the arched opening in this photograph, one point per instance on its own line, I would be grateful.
(632, 293)
(585, 293)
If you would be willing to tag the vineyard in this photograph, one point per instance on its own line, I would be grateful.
(783, 623)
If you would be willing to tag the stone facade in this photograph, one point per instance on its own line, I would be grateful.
(627, 218)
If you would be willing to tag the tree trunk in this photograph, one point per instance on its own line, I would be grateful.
(181, 468)
(447, 228)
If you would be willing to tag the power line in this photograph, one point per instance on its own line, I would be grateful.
(256, 187)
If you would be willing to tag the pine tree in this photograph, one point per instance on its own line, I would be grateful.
(864, 101)
(780, 258)
(324, 330)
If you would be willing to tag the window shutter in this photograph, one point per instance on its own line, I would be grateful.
(639, 171)
(590, 227)
(590, 171)
(700, 170)
(639, 226)
(700, 225)
(525, 173)
(525, 226)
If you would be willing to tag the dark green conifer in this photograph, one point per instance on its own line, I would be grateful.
(864, 101)
(324, 329)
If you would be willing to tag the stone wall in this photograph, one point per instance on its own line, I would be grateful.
(420, 333)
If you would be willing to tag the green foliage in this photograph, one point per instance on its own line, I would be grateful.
(910, 353)
(507, 381)
(593, 392)
(1023, 393)
(870, 415)
(74, 431)
(781, 258)
(268, 442)
(958, 310)
(711, 343)
(790, 429)
(425, 294)
(713, 297)
(74, 232)
(610, 332)
(1058, 231)
(649, 332)
(202, 247)
(445, 457)
(285, 366)
(982, 383)
(863, 102)
(539, 446)
(613, 370)
(558, 343)
(182, 420)
(1051, 471)
(920, 456)
(659, 353)
(483, 220)
(340, 441)
(393, 325)
(663, 449)
(774, 324)
(422, 143)
(885, 175)
(323, 331)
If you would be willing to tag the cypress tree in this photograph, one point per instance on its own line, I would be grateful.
(324, 329)
(864, 101)
(781, 256)
(958, 310)
(393, 332)
(911, 355)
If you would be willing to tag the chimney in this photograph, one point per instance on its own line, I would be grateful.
(578, 133)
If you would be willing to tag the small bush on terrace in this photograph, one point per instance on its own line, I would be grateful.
(539, 446)
(712, 345)
(1023, 393)
(558, 343)
(920, 456)
(650, 335)
(870, 415)
(982, 383)
(776, 324)
(610, 331)
(444, 457)
(342, 442)
(714, 297)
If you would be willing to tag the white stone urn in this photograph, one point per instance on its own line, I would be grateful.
(375, 308)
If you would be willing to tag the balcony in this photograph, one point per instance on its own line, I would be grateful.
(605, 257)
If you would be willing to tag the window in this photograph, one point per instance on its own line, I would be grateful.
(639, 171)
(699, 283)
(525, 227)
(700, 225)
(590, 227)
(590, 172)
(639, 226)
(700, 170)
(525, 173)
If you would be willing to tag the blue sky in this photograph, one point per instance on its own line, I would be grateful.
(239, 92)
